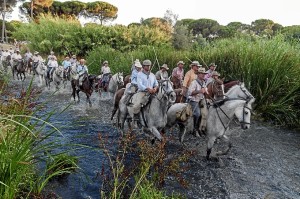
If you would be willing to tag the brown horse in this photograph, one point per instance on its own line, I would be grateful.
(19, 68)
(177, 83)
(127, 79)
(230, 83)
(28, 65)
(117, 98)
(215, 90)
(86, 87)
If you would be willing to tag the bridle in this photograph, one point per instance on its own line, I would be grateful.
(162, 88)
(118, 79)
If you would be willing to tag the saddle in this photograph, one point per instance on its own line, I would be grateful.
(185, 113)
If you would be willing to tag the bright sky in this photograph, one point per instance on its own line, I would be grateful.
(284, 12)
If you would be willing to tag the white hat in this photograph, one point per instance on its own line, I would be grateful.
(137, 64)
(165, 66)
(147, 62)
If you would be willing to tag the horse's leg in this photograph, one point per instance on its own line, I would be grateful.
(210, 143)
(88, 99)
(182, 132)
(156, 133)
(226, 139)
(77, 92)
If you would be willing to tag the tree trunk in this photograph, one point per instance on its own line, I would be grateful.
(31, 9)
(3, 20)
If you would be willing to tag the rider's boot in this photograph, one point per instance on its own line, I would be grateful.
(196, 126)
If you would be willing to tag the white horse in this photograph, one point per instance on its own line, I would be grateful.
(220, 116)
(116, 82)
(153, 116)
(182, 115)
(58, 75)
(40, 71)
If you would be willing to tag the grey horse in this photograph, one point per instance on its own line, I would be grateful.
(220, 116)
(116, 82)
(153, 116)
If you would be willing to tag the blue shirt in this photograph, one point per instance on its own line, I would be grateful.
(134, 76)
(145, 81)
(66, 64)
(82, 69)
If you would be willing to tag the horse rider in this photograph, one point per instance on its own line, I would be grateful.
(189, 77)
(51, 56)
(214, 76)
(133, 65)
(106, 74)
(178, 72)
(11, 50)
(82, 70)
(36, 58)
(212, 67)
(162, 74)
(52, 65)
(196, 92)
(16, 57)
(27, 56)
(66, 63)
(130, 90)
(147, 85)
(73, 60)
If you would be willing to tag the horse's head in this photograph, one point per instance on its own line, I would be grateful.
(216, 89)
(167, 91)
(59, 71)
(243, 113)
(239, 91)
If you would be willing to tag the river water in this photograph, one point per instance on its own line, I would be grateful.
(263, 163)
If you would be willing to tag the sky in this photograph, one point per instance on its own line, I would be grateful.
(284, 12)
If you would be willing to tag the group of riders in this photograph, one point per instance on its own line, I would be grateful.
(193, 84)
(35, 59)
(143, 82)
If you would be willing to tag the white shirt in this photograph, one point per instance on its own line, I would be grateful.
(16, 56)
(105, 70)
(52, 64)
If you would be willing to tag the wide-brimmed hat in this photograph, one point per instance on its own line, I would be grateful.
(17, 50)
(201, 70)
(195, 63)
(215, 73)
(52, 53)
(73, 56)
(36, 52)
(105, 62)
(212, 64)
(165, 66)
(180, 62)
(137, 64)
(147, 62)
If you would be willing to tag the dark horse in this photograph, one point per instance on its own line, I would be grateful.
(177, 83)
(230, 83)
(86, 87)
(20, 68)
(28, 65)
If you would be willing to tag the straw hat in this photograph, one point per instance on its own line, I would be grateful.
(212, 64)
(36, 52)
(137, 64)
(215, 73)
(165, 66)
(201, 70)
(105, 62)
(195, 63)
(180, 62)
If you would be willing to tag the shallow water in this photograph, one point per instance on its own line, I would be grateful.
(263, 163)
